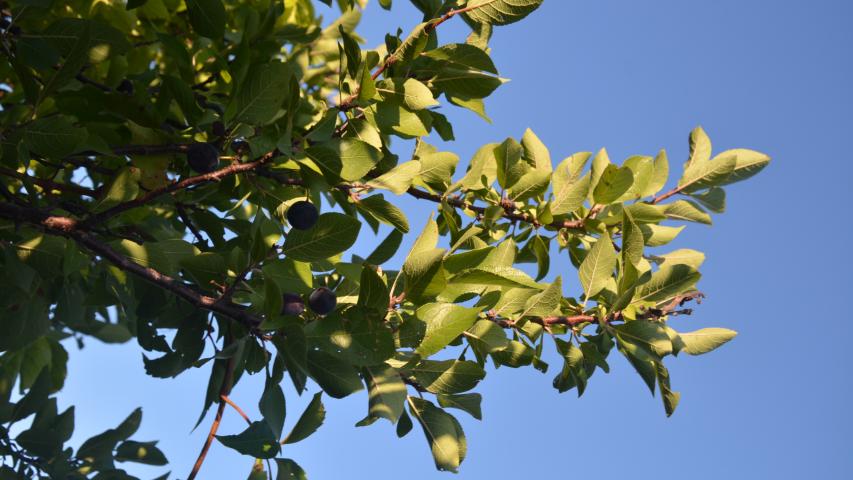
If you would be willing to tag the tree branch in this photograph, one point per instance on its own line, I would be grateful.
(50, 184)
(69, 227)
(223, 394)
(217, 175)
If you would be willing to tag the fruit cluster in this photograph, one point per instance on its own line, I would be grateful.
(322, 301)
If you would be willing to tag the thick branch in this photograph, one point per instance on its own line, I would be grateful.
(50, 184)
(69, 227)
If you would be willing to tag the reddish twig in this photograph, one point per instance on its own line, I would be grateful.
(236, 407)
(665, 195)
(217, 175)
(223, 392)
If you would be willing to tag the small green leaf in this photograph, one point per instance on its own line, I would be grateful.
(666, 283)
(500, 12)
(705, 340)
(597, 268)
(613, 183)
(336, 377)
(257, 441)
(444, 322)
(207, 17)
(386, 391)
(410, 92)
(53, 137)
(310, 420)
(332, 234)
(347, 159)
(467, 402)
(441, 433)
(448, 376)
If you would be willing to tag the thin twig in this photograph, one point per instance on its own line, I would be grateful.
(236, 407)
(224, 390)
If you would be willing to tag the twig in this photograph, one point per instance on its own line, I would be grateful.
(187, 221)
(236, 407)
(217, 175)
(223, 392)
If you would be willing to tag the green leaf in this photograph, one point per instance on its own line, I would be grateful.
(467, 402)
(272, 407)
(448, 376)
(437, 169)
(386, 249)
(515, 355)
(510, 166)
(613, 183)
(261, 95)
(687, 210)
(496, 276)
(444, 322)
(463, 56)
(597, 268)
(660, 174)
(53, 137)
(76, 45)
(646, 340)
(666, 283)
(124, 187)
(535, 152)
(658, 235)
(207, 17)
(486, 336)
(684, 256)
(140, 452)
(398, 179)
(385, 211)
(705, 340)
(410, 92)
(632, 240)
(569, 193)
(700, 171)
(373, 292)
(546, 302)
(336, 377)
(289, 470)
(310, 420)
(670, 398)
(358, 340)
(257, 441)
(500, 12)
(332, 234)
(347, 159)
(386, 393)
(441, 433)
(747, 164)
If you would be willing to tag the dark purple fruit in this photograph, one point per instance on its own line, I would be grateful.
(292, 304)
(302, 215)
(203, 157)
(240, 147)
(126, 86)
(218, 128)
(322, 301)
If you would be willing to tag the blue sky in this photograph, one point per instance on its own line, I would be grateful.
(632, 76)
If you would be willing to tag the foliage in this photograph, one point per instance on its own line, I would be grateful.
(108, 233)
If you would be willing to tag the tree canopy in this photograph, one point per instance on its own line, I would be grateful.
(191, 175)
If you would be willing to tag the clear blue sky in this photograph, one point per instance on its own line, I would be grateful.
(634, 76)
